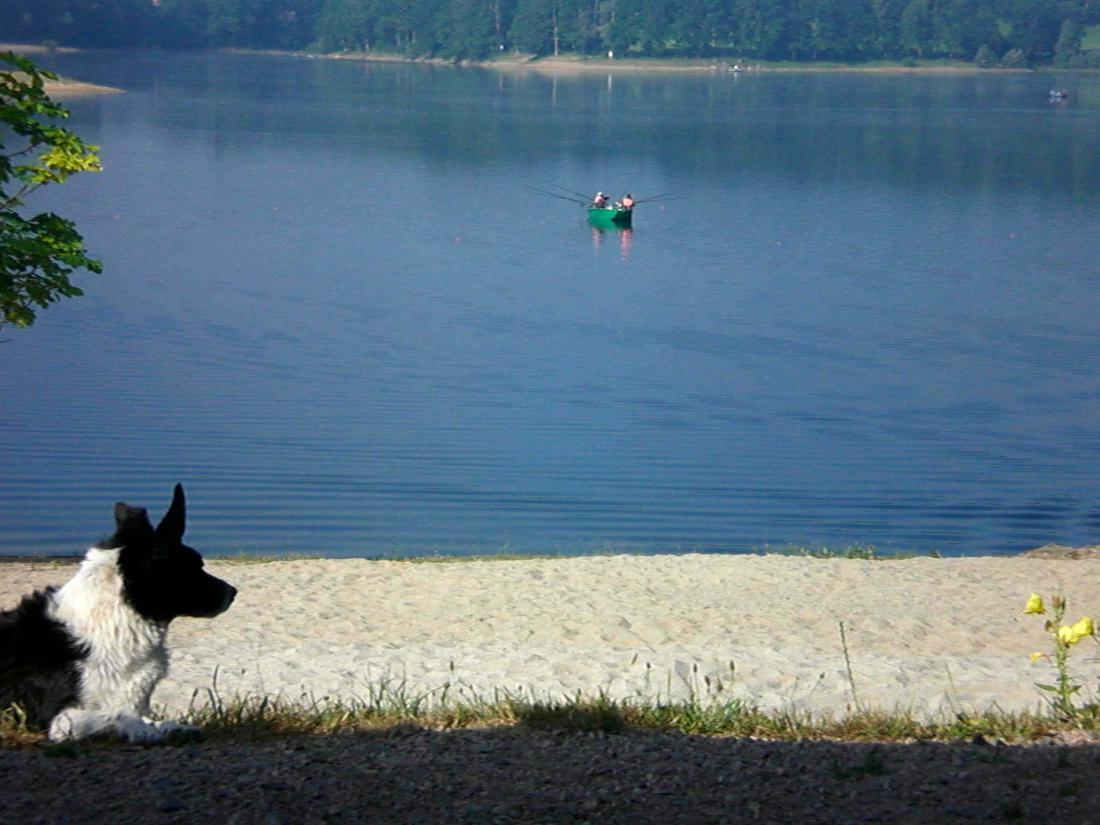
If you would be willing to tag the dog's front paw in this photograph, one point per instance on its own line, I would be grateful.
(77, 723)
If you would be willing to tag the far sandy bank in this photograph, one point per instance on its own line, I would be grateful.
(62, 87)
(566, 64)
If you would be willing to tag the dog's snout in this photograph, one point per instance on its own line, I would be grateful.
(228, 596)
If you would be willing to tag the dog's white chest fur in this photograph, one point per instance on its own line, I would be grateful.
(127, 655)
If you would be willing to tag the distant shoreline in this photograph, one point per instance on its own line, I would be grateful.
(579, 64)
(30, 48)
(77, 88)
(655, 65)
(62, 87)
(1049, 552)
(576, 64)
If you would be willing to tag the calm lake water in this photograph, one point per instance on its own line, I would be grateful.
(335, 308)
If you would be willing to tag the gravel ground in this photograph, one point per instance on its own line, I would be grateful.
(516, 775)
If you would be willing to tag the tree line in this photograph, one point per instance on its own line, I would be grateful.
(989, 32)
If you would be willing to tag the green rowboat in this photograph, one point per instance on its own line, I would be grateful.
(610, 217)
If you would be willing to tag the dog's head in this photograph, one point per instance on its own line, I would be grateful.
(162, 577)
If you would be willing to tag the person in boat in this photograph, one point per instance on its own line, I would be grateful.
(627, 202)
(599, 201)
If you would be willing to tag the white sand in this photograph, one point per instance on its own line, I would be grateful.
(935, 636)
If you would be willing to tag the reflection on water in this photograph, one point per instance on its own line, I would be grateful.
(332, 309)
(623, 237)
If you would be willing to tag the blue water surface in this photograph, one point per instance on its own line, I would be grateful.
(337, 307)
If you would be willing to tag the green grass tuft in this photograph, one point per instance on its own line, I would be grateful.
(391, 706)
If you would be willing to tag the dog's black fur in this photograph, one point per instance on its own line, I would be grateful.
(39, 660)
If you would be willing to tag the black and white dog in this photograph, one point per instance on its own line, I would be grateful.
(83, 660)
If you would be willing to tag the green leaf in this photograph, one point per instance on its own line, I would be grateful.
(38, 253)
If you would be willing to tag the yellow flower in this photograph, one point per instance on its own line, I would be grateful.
(1036, 656)
(1082, 629)
(1035, 604)
(1072, 635)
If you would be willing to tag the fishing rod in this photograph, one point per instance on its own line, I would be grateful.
(660, 197)
(561, 197)
(587, 198)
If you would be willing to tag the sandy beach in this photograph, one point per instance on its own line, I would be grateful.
(574, 65)
(62, 87)
(934, 636)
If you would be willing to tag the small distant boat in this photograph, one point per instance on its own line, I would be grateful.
(610, 216)
(1059, 94)
(604, 213)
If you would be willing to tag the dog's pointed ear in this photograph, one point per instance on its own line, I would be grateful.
(173, 523)
(126, 516)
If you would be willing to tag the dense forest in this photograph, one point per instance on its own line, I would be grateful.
(989, 32)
